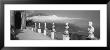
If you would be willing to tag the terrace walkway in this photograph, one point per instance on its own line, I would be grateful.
(28, 34)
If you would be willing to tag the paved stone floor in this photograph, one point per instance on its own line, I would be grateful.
(28, 34)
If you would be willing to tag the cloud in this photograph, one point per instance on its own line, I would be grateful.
(52, 18)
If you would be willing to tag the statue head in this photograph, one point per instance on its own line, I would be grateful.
(90, 23)
(66, 23)
(53, 23)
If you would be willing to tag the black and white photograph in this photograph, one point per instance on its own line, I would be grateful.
(55, 24)
(31, 25)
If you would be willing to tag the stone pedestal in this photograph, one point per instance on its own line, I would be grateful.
(39, 30)
(44, 32)
(32, 29)
(66, 37)
(52, 35)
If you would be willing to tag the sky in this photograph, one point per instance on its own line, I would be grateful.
(77, 17)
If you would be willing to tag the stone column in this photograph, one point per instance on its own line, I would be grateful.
(39, 29)
(35, 27)
(45, 29)
(23, 16)
(12, 18)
